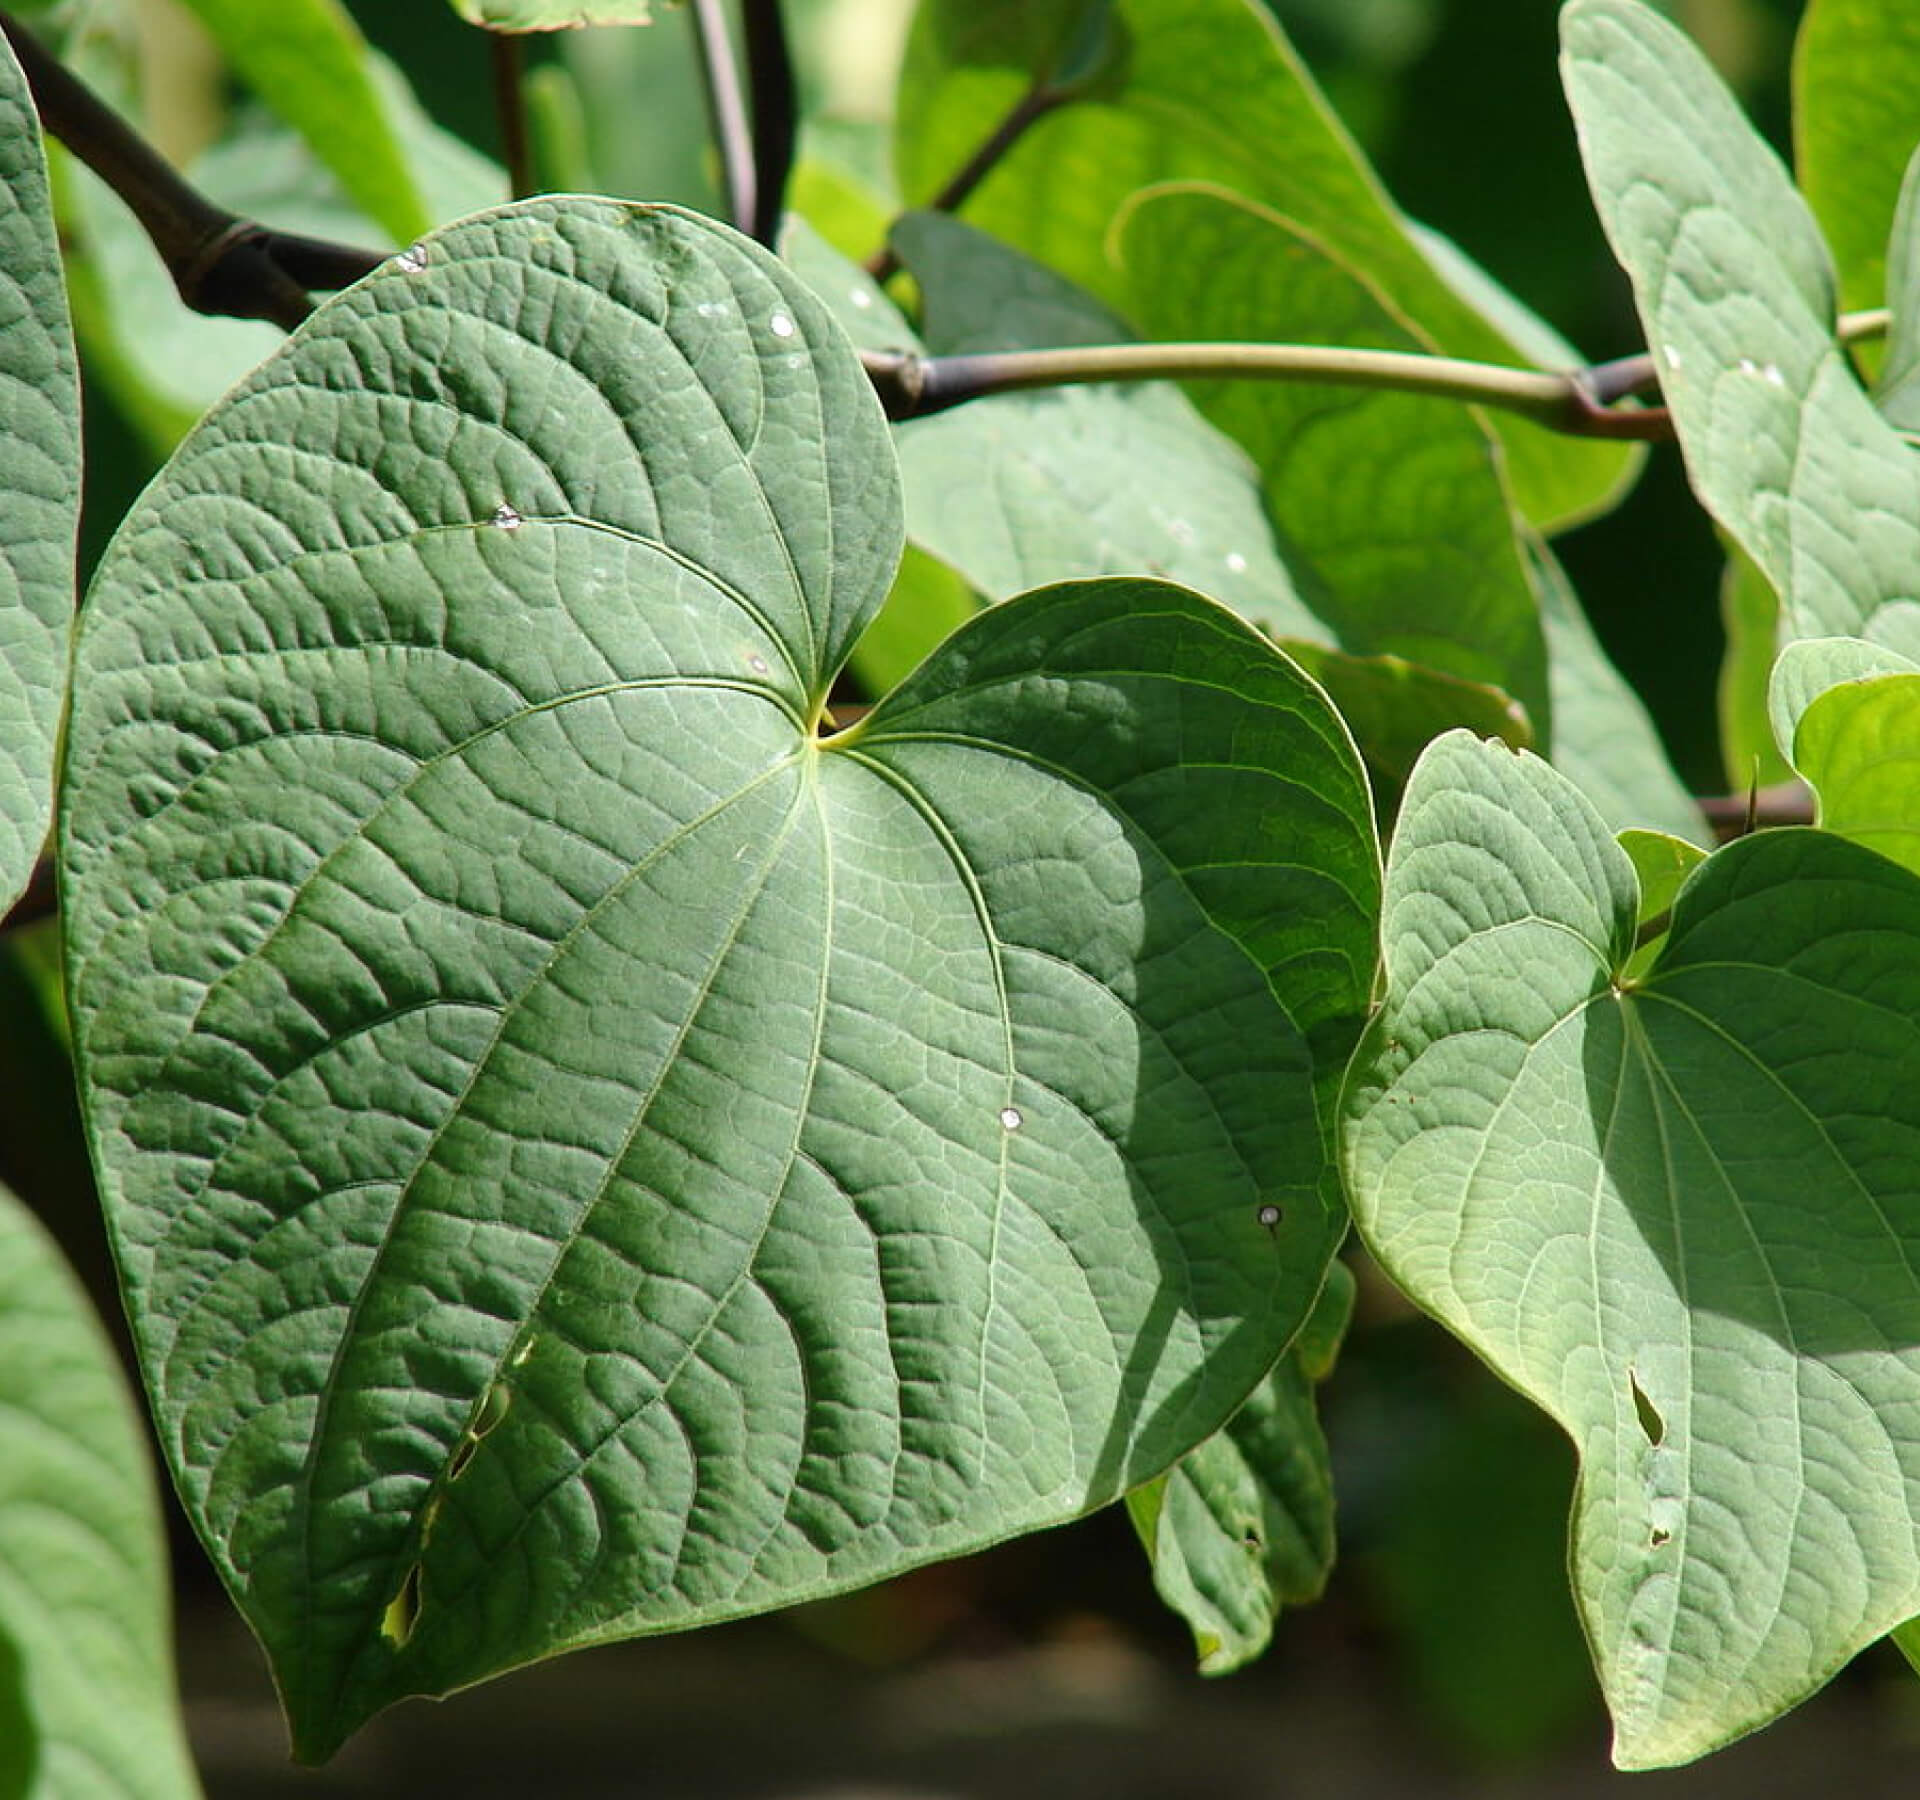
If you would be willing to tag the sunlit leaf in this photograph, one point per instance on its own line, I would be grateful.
(1682, 1214)
(1858, 745)
(589, 1155)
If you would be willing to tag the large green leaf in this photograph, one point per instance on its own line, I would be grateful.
(1856, 115)
(39, 485)
(1392, 509)
(308, 61)
(1198, 90)
(588, 1155)
(1067, 482)
(1243, 1525)
(1681, 1213)
(1735, 289)
(87, 1703)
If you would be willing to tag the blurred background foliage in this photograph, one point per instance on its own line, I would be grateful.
(1453, 1493)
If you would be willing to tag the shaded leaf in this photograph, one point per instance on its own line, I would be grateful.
(1391, 509)
(1065, 482)
(1189, 90)
(588, 1155)
(1856, 97)
(1242, 1526)
(307, 60)
(926, 604)
(87, 1703)
(1858, 745)
(1736, 291)
(1681, 1215)
(39, 485)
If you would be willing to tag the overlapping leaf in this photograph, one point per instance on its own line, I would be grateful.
(588, 1155)
(1135, 92)
(1681, 1213)
(39, 485)
(87, 1702)
(1858, 745)
(1736, 291)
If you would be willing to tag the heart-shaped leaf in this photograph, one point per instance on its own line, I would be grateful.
(589, 1155)
(39, 485)
(1681, 1213)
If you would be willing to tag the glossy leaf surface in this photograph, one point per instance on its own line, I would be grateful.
(1680, 1213)
(589, 1155)
(39, 485)
(1858, 745)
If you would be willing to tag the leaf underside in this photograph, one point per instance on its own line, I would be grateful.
(1679, 1213)
(588, 1155)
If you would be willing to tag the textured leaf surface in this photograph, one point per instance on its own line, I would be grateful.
(1392, 509)
(587, 1155)
(1736, 291)
(1681, 1215)
(87, 1702)
(1805, 670)
(1858, 745)
(39, 485)
(308, 61)
(1067, 482)
(1856, 114)
(1243, 1525)
(1195, 90)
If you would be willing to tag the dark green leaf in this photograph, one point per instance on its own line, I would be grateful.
(588, 1155)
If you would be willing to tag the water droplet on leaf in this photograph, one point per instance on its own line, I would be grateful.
(1236, 563)
(413, 258)
(781, 325)
(861, 298)
(757, 663)
(506, 518)
(1010, 1117)
(1670, 356)
(1269, 1216)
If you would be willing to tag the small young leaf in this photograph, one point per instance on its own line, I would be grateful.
(1682, 1215)
(87, 1702)
(1805, 670)
(1858, 745)
(1243, 1525)
(39, 485)
(845, 1151)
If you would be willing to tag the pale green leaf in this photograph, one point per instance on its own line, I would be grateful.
(1391, 509)
(1735, 289)
(1858, 745)
(1898, 388)
(1189, 90)
(307, 60)
(39, 485)
(553, 15)
(589, 1155)
(87, 1702)
(1242, 1526)
(1680, 1214)
(1076, 481)
(1806, 670)
(1856, 115)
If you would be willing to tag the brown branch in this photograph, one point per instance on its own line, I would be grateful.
(221, 263)
(507, 59)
